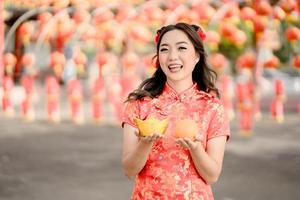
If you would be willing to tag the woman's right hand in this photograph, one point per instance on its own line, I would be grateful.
(150, 138)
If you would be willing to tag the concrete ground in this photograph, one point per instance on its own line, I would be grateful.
(45, 161)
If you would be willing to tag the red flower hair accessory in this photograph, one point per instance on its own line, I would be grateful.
(157, 37)
(201, 33)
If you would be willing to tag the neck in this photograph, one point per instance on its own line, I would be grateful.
(180, 87)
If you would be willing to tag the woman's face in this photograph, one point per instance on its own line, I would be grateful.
(177, 57)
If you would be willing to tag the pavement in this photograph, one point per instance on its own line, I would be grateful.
(47, 161)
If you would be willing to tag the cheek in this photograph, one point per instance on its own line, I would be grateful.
(190, 64)
(191, 61)
(162, 59)
(164, 69)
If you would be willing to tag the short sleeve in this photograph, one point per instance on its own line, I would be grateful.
(130, 111)
(219, 123)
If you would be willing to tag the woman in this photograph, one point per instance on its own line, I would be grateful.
(182, 87)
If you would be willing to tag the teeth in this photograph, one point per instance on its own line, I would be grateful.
(175, 68)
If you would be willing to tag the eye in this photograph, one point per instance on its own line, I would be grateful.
(182, 48)
(163, 49)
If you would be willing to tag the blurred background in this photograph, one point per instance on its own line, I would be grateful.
(98, 51)
(66, 67)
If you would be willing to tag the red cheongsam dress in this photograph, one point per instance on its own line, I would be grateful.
(169, 172)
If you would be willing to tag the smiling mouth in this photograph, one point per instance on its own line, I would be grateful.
(175, 68)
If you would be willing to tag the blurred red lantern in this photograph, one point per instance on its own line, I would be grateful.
(212, 37)
(292, 33)
(9, 59)
(104, 16)
(204, 10)
(26, 31)
(57, 58)
(64, 30)
(83, 4)
(149, 64)
(44, 17)
(28, 59)
(296, 61)
(288, 5)
(232, 12)
(102, 58)
(278, 13)
(155, 14)
(149, 61)
(172, 4)
(189, 16)
(246, 60)
(129, 59)
(80, 58)
(229, 13)
(248, 13)
(278, 87)
(217, 61)
(90, 33)
(238, 38)
(141, 33)
(124, 12)
(57, 63)
(81, 15)
(65, 26)
(262, 7)
(109, 34)
(44, 3)
(260, 23)
(227, 30)
(273, 62)
(193, 16)
(60, 3)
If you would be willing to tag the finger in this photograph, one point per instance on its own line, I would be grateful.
(182, 143)
(189, 142)
(137, 133)
(145, 138)
(156, 136)
(150, 138)
(192, 144)
(179, 141)
(199, 138)
(186, 145)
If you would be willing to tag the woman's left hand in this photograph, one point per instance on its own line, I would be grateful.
(188, 143)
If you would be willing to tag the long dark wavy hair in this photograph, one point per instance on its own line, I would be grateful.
(202, 74)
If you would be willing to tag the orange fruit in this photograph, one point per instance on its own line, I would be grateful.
(186, 128)
(151, 125)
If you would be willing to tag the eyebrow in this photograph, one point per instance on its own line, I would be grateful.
(177, 43)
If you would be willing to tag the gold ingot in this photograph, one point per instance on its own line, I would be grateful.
(150, 126)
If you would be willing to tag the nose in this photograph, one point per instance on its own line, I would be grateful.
(173, 54)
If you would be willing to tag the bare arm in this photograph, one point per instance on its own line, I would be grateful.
(208, 163)
(135, 150)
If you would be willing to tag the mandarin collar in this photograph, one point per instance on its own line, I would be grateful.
(172, 93)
